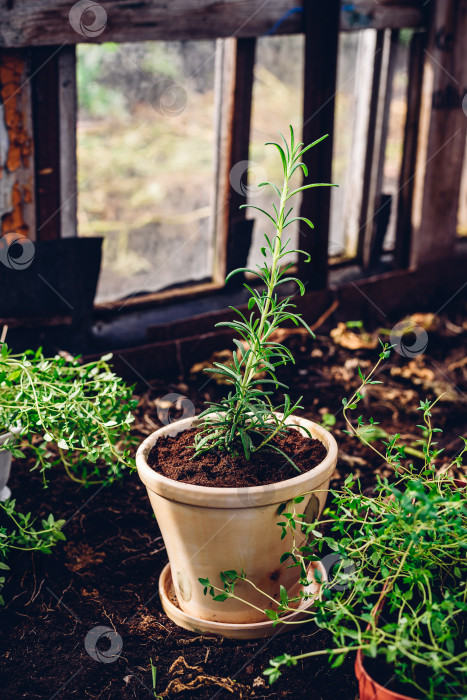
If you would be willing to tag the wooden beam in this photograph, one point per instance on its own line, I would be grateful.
(321, 42)
(381, 14)
(442, 134)
(47, 22)
(133, 303)
(41, 22)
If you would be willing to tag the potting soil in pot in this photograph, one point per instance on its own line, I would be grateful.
(173, 457)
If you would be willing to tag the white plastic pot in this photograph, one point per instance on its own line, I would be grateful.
(207, 530)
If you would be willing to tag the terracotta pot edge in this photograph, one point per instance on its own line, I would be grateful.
(218, 497)
(377, 689)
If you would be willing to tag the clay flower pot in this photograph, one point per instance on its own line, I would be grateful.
(207, 530)
(5, 465)
(370, 689)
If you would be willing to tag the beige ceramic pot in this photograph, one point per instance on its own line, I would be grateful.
(207, 530)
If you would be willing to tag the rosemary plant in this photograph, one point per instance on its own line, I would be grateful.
(246, 419)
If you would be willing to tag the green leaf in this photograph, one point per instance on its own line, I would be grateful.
(282, 155)
(272, 614)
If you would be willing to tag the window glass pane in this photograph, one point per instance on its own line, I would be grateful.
(395, 136)
(277, 102)
(344, 124)
(356, 58)
(145, 161)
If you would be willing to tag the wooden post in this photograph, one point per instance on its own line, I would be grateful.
(442, 134)
(234, 87)
(67, 105)
(46, 112)
(321, 42)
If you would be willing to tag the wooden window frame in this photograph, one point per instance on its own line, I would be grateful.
(41, 32)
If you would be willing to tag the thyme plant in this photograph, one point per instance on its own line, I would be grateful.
(398, 592)
(84, 410)
(246, 419)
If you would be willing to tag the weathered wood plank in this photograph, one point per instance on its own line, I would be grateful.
(442, 134)
(47, 22)
(67, 106)
(17, 210)
(182, 293)
(36, 22)
(375, 14)
(409, 154)
(322, 22)
(186, 342)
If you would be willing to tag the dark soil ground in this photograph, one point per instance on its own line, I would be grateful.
(106, 573)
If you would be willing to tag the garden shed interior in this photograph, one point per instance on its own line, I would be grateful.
(131, 137)
(385, 80)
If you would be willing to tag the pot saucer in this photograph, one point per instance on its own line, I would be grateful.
(255, 630)
(5, 493)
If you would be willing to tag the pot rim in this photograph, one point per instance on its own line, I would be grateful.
(242, 496)
(12, 431)
(360, 671)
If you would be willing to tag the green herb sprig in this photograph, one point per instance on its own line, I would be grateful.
(246, 420)
(83, 410)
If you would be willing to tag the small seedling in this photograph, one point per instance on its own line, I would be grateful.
(154, 680)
